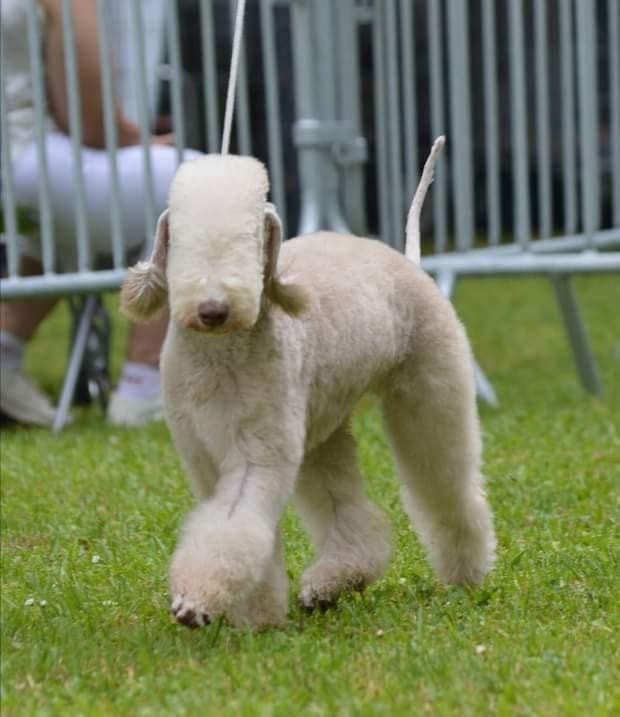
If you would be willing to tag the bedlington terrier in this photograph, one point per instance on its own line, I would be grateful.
(268, 350)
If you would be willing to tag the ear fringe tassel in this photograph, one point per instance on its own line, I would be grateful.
(144, 292)
(291, 298)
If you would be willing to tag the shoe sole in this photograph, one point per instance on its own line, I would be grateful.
(24, 413)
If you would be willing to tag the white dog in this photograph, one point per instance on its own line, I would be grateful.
(267, 353)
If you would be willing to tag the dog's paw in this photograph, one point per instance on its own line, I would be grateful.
(310, 601)
(204, 587)
(189, 613)
(322, 594)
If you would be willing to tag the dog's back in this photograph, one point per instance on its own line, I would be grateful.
(361, 285)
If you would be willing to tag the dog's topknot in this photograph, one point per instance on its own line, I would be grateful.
(216, 190)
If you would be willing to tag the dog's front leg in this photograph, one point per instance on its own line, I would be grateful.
(267, 604)
(228, 542)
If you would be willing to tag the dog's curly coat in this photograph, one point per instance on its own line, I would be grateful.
(267, 353)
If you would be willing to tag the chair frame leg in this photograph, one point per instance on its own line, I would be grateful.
(94, 378)
(76, 359)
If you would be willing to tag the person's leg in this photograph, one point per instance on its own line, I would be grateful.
(137, 399)
(140, 380)
(19, 398)
(145, 341)
(22, 318)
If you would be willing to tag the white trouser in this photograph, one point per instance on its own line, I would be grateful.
(98, 193)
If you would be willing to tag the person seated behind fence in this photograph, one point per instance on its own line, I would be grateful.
(137, 398)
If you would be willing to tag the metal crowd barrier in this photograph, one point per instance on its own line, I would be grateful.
(342, 99)
(146, 47)
(528, 95)
(142, 60)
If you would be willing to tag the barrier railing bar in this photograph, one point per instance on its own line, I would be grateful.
(242, 112)
(348, 106)
(494, 222)
(176, 90)
(588, 116)
(46, 225)
(484, 262)
(75, 130)
(613, 48)
(407, 35)
(9, 208)
(309, 161)
(143, 115)
(567, 82)
(607, 239)
(380, 102)
(440, 215)
(461, 264)
(521, 201)
(209, 77)
(327, 82)
(272, 97)
(111, 133)
(328, 86)
(61, 284)
(392, 108)
(543, 139)
(460, 123)
(523, 263)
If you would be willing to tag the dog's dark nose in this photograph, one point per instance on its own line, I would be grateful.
(212, 313)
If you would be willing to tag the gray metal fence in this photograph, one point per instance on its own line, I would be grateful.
(140, 53)
(351, 94)
(528, 94)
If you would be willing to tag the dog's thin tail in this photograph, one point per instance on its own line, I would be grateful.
(412, 243)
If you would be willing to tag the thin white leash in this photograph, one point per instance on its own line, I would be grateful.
(232, 76)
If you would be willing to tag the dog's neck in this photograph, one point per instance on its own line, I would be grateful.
(235, 348)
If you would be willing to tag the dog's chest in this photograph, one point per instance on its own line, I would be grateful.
(236, 415)
(216, 425)
(208, 402)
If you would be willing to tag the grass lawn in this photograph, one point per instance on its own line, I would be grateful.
(89, 520)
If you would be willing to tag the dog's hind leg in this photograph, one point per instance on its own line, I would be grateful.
(267, 605)
(432, 422)
(350, 534)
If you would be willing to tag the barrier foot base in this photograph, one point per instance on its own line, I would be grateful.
(577, 334)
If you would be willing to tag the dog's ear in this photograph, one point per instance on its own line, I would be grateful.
(145, 289)
(288, 296)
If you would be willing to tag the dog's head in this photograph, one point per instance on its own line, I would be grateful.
(216, 250)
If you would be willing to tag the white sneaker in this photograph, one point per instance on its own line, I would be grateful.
(22, 401)
(123, 411)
